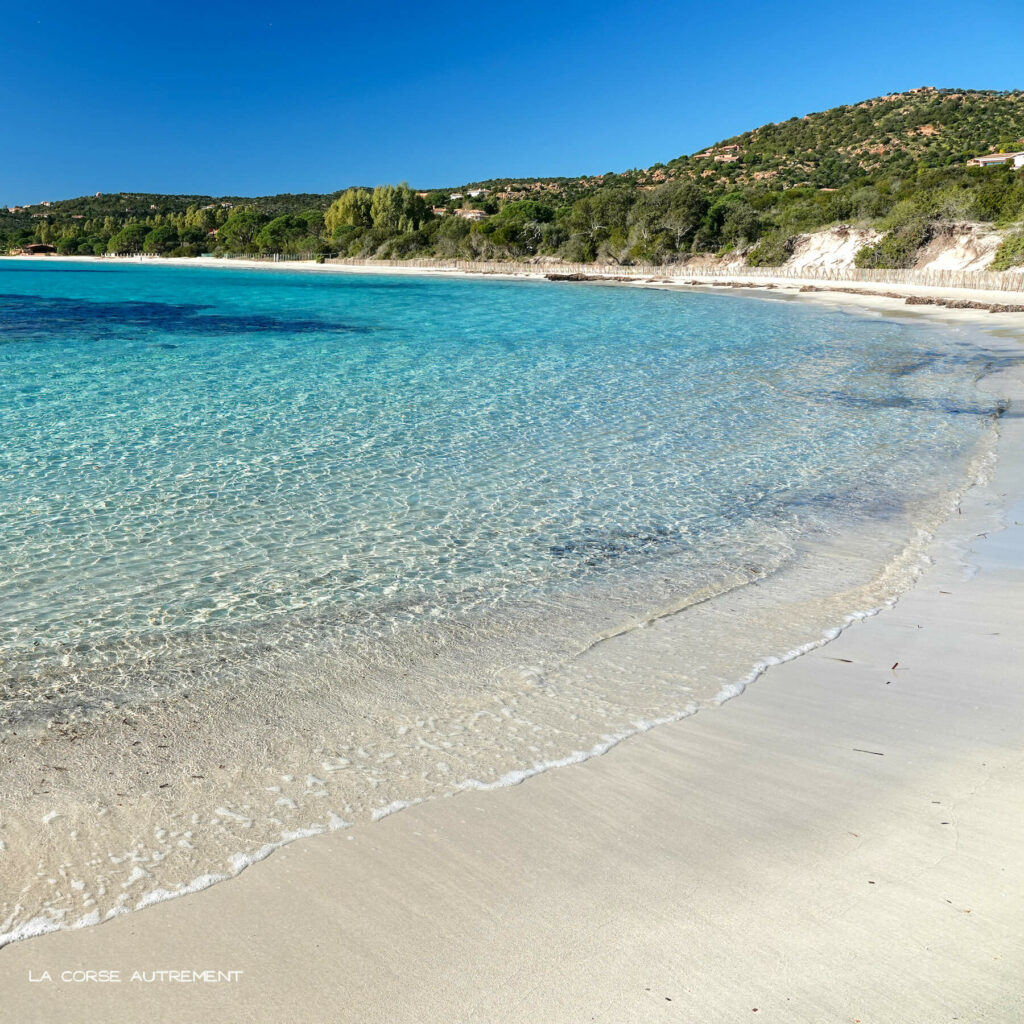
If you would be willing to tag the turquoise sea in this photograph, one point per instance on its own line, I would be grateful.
(361, 540)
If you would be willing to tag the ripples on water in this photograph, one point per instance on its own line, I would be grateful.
(346, 517)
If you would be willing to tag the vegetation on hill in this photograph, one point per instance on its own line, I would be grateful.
(897, 163)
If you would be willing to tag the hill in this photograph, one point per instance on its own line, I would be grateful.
(896, 164)
(895, 134)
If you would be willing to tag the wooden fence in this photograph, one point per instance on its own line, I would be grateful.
(982, 280)
(273, 257)
(999, 281)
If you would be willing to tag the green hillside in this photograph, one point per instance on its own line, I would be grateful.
(898, 163)
(896, 134)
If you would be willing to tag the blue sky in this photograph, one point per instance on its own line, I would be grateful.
(262, 97)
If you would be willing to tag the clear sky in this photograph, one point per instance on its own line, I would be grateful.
(231, 98)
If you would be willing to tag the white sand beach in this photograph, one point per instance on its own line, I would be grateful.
(842, 842)
(875, 295)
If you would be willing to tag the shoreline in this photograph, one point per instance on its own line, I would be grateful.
(255, 896)
(783, 286)
(871, 298)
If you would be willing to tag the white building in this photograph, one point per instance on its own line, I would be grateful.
(992, 159)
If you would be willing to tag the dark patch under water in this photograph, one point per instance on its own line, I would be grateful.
(34, 318)
(617, 543)
(949, 408)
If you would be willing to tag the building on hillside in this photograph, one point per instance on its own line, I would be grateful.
(456, 195)
(470, 214)
(475, 193)
(993, 159)
(439, 211)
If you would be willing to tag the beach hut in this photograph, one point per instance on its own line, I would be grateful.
(39, 249)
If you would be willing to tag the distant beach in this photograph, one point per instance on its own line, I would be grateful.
(950, 303)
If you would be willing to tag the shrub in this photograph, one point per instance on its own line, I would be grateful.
(905, 212)
(772, 251)
(898, 249)
(1010, 253)
(579, 248)
(190, 250)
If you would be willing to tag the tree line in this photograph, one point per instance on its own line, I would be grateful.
(897, 164)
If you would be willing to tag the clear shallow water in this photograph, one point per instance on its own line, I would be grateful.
(296, 547)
